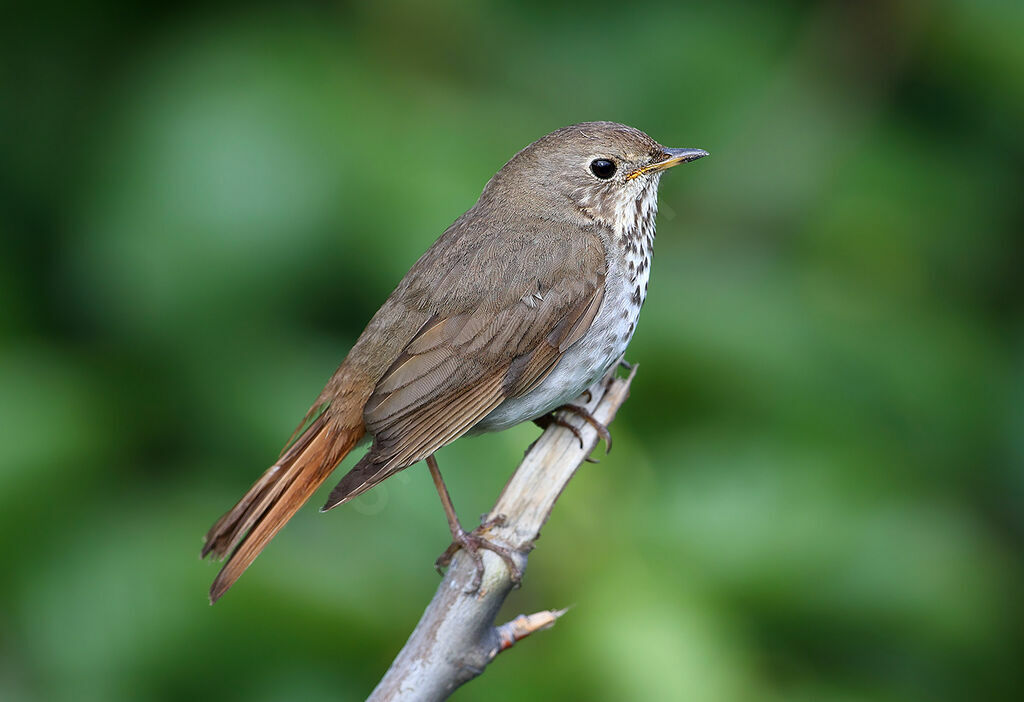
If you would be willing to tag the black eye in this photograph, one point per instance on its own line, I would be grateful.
(602, 168)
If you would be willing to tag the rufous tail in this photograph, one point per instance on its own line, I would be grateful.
(276, 496)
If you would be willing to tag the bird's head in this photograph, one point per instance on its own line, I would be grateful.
(596, 171)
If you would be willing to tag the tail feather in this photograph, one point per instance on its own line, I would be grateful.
(275, 497)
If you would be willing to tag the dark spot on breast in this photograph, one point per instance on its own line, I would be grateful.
(636, 295)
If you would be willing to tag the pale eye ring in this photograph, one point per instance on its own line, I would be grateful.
(603, 168)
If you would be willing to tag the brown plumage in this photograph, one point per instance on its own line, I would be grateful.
(472, 336)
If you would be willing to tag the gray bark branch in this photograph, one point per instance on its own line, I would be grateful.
(457, 637)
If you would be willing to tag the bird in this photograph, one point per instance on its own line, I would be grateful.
(522, 304)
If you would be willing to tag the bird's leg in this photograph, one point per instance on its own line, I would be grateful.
(472, 542)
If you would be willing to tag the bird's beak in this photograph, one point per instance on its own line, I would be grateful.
(677, 156)
(673, 157)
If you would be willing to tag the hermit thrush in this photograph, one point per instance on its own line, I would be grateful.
(524, 302)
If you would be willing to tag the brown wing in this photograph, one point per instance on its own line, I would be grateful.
(460, 366)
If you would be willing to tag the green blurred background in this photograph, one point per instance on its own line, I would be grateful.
(816, 487)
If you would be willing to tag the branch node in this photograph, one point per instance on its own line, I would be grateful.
(524, 625)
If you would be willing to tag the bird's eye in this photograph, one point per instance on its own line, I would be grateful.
(602, 168)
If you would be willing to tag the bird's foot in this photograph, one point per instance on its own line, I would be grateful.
(472, 543)
(550, 418)
(585, 415)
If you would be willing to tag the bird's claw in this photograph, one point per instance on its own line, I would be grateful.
(585, 415)
(548, 419)
(602, 430)
(472, 543)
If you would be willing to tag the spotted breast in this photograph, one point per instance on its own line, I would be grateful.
(628, 238)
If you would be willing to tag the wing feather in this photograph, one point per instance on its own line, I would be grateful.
(467, 359)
